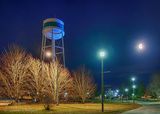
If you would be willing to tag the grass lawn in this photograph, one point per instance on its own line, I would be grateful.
(89, 108)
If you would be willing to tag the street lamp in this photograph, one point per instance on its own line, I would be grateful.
(126, 90)
(134, 86)
(133, 79)
(133, 94)
(48, 54)
(102, 55)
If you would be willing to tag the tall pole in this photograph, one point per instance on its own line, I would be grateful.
(133, 89)
(133, 96)
(102, 85)
(133, 93)
(102, 55)
(127, 95)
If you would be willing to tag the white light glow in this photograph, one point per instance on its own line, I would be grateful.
(48, 54)
(140, 46)
(133, 79)
(134, 86)
(102, 54)
(117, 90)
(126, 90)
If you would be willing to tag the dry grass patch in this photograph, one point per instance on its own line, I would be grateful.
(67, 109)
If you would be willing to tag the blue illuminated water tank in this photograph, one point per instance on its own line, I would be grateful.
(53, 28)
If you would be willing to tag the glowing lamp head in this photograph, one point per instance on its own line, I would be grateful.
(48, 54)
(133, 79)
(102, 54)
(134, 86)
(126, 90)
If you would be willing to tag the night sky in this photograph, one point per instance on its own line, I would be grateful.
(114, 25)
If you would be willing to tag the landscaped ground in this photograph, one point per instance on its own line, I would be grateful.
(67, 109)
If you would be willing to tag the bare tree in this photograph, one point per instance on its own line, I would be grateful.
(83, 84)
(2, 89)
(58, 79)
(154, 87)
(36, 81)
(14, 68)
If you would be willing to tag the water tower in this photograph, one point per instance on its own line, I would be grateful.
(52, 40)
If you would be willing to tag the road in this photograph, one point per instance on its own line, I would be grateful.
(146, 109)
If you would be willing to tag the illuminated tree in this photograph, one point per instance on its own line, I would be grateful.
(83, 84)
(14, 68)
(36, 82)
(58, 79)
(2, 89)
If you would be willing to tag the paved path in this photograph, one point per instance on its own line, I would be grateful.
(146, 109)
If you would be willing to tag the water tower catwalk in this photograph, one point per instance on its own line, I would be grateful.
(52, 40)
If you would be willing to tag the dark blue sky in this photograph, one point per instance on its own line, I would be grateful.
(115, 25)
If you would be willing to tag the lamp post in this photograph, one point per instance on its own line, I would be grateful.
(102, 55)
(48, 55)
(133, 94)
(133, 88)
(126, 90)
